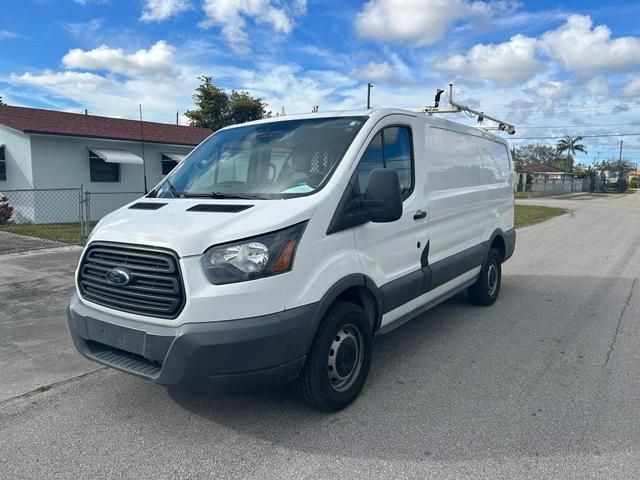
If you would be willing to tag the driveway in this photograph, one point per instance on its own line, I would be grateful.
(544, 384)
(12, 243)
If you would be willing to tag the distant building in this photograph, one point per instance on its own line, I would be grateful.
(541, 173)
(51, 149)
(44, 149)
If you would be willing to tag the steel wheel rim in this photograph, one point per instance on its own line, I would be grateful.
(492, 278)
(345, 358)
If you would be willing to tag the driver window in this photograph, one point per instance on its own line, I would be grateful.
(371, 159)
(390, 148)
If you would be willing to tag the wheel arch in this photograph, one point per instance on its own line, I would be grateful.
(497, 240)
(356, 288)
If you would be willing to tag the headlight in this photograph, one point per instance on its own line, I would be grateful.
(252, 258)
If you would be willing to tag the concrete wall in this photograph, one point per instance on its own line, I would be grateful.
(18, 157)
(58, 166)
(63, 162)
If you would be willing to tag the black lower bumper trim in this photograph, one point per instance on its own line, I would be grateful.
(261, 351)
(510, 243)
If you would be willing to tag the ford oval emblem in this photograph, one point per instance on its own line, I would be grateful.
(118, 276)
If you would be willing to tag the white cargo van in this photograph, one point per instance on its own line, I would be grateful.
(278, 249)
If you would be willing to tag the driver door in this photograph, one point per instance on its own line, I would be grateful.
(392, 253)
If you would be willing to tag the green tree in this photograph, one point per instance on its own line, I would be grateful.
(216, 108)
(244, 108)
(570, 146)
(535, 153)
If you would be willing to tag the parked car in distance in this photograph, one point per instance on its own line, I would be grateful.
(278, 249)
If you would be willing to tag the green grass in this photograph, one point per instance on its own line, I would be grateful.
(520, 195)
(530, 214)
(60, 232)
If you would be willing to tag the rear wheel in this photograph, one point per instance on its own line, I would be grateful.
(339, 360)
(486, 289)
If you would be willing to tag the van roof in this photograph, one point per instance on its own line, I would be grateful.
(379, 113)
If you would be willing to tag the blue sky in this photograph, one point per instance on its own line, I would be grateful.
(551, 68)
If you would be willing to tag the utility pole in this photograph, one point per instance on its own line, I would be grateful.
(177, 113)
(369, 87)
(620, 157)
(144, 166)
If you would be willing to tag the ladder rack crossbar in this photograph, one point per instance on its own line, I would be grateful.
(455, 107)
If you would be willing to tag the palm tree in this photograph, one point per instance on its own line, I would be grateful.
(570, 145)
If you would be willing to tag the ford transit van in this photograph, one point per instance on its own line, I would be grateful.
(278, 249)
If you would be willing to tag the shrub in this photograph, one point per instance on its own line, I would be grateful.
(6, 210)
(634, 182)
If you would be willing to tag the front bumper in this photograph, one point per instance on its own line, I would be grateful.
(510, 243)
(253, 352)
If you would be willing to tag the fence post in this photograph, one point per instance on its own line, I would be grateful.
(81, 214)
(87, 214)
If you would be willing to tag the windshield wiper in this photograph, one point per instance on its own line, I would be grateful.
(172, 189)
(221, 195)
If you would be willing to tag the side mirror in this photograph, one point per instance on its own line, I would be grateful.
(382, 199)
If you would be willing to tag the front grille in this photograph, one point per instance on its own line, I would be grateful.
(154, 288)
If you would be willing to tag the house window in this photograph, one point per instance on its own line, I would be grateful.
(167, 165)
(101, 171)
(3, 165)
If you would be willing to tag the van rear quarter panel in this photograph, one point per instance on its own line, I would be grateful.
(468, 186)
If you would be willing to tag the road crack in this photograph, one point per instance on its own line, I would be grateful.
(612, 345)
(45, 388)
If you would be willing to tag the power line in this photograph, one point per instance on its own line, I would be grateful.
(582, 126)
(583, 136)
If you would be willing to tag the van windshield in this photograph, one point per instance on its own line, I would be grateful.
(281, 159)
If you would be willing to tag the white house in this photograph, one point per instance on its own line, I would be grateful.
(46, 149)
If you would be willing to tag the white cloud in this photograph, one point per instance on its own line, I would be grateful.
(420, 22)
(8, 34)
(158, 10)
(632, 88)
(376, 71)
(72, 81)
(598, 87)
(393, 70)
(158, 59)
(89, 2)
(584, 48)
(110, 96)
(507, 63)
(230, 16)
(84, 30)
(551, 90)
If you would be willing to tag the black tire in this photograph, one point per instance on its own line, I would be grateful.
(344, 335)
(486, 289)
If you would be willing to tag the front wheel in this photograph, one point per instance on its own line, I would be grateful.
(486, 289)
(339, 360)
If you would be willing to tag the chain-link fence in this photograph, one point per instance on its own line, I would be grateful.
(51, 205)
(64, 215)
(546, 186)
(99, 204)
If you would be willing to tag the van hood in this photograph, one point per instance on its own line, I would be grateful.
(190, 232)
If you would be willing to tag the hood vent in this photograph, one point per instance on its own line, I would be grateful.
(147, 206)
(204, 207)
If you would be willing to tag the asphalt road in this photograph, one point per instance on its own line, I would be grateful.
(544, 384)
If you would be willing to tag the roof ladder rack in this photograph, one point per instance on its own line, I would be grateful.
(455, 107)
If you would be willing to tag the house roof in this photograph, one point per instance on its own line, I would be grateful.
(52, 122)
(537, 167)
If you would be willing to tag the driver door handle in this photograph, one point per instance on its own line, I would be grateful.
(419, 215)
